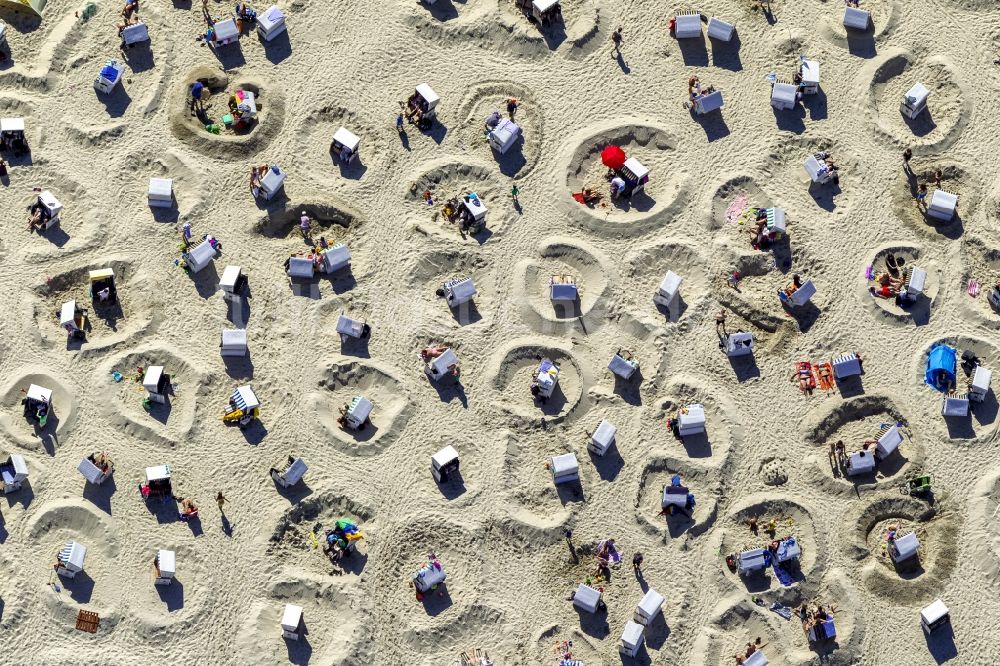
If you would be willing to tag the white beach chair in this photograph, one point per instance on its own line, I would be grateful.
(503, 137)
(775, 221)
(649, 607)
(846, 365)
(913, 287)
(444, 463)
(979, 385)
(674, 496)
(109, 76)
(71, 559)
(232, 282)
(720, 30)
(92, 473)
(293, 472)
(622, 367)
(160, 193)
(351, 328)
(817, 171)
(687, 26)
(587, 598)
(200, 256)
(860, 462)
(739, 344)
(942, 206)
(756, 659)
(543, 10)
(888, 442)
(635, 175)
(234, 342)
(914, 101)
(136, 33)
(166, 567)
(335, 258)
(546, 378)
(429, 576)
(358, 412)
(345, 145)
(857, 19)
(809, 71)
(271, 182)
(458, 292)
(691, 420)
(602, 438)
(226, 32)
(157, 383)
(632, 639)
(751, 561)
(13, 473)
(668, 290)
(430, 99)
(270, 23)
(784, 95)
(904, 547)
(934, 616)
(301, 268)
(52, 205)
(71, 318)
(707, 103)
(788, 550)
(801, 295)
(443, 365)
(292, 622)
(564, 468)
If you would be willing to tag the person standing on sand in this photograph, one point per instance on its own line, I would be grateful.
(637, 564)
(907, 155)
(921, 196)
(616, 38)
(514, 191)
(220, 500)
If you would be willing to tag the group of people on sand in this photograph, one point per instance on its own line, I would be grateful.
(695, 91)
(245, 17)
(811, 617)
(890, 282)
(760, 237)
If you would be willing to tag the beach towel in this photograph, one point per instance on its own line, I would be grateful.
(783, 611)
(825, 373)
(737, 207)
(870, 273)
(783, 576)
(579, 197)
(973, 288)
(803, 370)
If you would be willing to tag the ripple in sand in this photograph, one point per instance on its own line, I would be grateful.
(191, 129)
(982, 421)
(984, 505)
(563, 256)
(702, 483)
(480, 101)
(447, 16)
(954, 180)
(97, 587)
(663, 195)
(105, 325)
(344, 380)
(28, 434)
(167, 423)
(980, 262)
(513, 370)
(948, 108)
(432, 269)
(337, 623)
(789, 519)
(853, 421)
(708, 449)
(918, 312)
(912, 581)
(446, 180)
(646, 270)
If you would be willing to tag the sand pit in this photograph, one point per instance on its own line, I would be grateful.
(854, 421)
(954, 180)
(690, 523)
(340, 383)
(429, 273)
(861, 44)
(77, 230)
(537, 500)
(647, 267)
(917, 309)
(708, 449)
(513, 369)
(788, 518)
(940, 125)
(319, 127)
(29, 434)
(557, 641)
(655, 148)
(105, 324)
(166, 424)
(981, 423)
(449, 180)
(481, 100)
(579, 262)
(906, 582)
(735, 195)
(980, 262)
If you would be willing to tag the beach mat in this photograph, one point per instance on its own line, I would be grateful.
(88, 621)
(783, 576)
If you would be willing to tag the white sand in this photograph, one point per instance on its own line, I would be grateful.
(500, 536)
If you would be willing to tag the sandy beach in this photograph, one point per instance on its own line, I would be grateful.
(514, 545)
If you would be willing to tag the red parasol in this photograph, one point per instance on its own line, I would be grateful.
(613, 157)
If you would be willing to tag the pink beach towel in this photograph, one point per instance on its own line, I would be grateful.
(973, 288)
(737, 207)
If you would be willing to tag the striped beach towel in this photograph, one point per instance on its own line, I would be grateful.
(973, 288)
